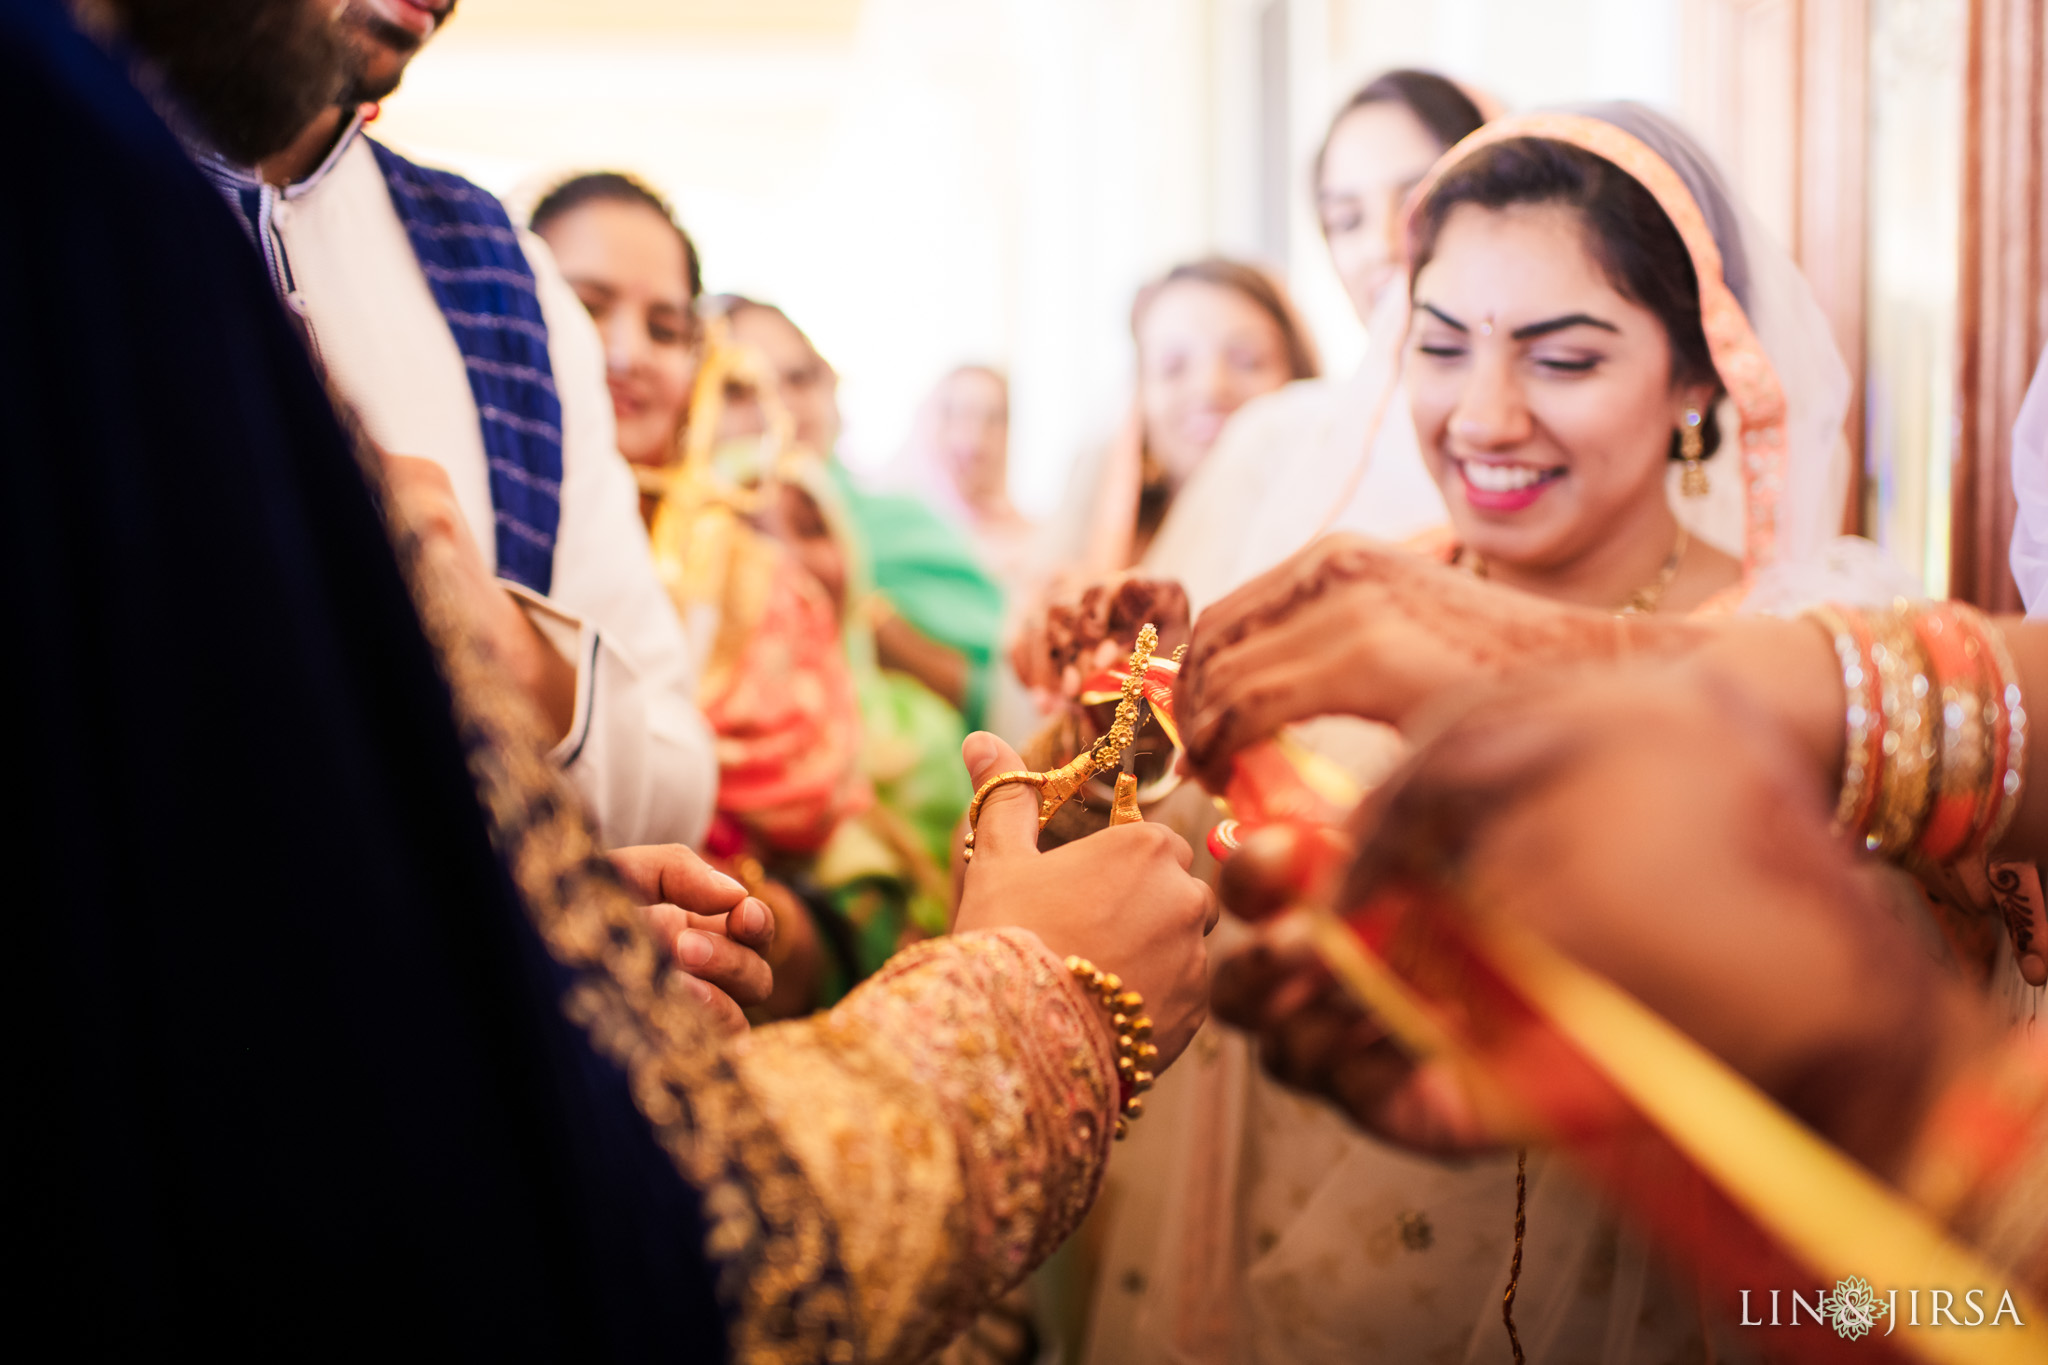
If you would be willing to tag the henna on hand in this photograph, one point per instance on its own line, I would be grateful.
(1072, 638)
(1349, 626)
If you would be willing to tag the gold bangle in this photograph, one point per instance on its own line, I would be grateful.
(1908, 753)
(2012, 782)
(1861, 715)
(1135, 1052)
(1961, 798)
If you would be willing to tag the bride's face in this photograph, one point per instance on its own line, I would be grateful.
(1542, 396)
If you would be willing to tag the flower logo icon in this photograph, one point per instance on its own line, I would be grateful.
(1854, 1308)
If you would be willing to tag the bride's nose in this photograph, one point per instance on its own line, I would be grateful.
(1491, 413)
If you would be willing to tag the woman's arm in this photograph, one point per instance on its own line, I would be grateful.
(1353, 627)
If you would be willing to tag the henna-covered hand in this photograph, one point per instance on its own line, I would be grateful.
(1070, 638)
(1353, 627)
(1657, 828)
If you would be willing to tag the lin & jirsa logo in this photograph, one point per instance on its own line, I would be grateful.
(1854, 1309)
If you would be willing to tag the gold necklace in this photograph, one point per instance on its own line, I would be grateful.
(1642, 602)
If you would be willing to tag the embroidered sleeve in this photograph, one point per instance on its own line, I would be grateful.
(954, 1116)
(870, 1177)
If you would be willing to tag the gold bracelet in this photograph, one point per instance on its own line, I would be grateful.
(1862, 715)
(1135, 1053)
(1908, 752)
(1934, 729)
(2012, 781)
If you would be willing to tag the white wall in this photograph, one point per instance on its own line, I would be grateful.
(983, 179)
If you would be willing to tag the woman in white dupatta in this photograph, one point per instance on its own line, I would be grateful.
(1274, 1230)
(1325, 454)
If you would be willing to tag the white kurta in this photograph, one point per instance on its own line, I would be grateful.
(638, 750)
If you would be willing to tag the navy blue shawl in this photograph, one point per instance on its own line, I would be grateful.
(289, 1074)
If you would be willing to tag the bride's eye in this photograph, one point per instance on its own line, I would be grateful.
(1442, 350)
(1568, 364)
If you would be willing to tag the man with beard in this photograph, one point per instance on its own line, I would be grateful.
(469, 360)
(334, 1033)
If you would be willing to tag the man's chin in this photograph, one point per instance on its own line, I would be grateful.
(383, 51)
(377, 81)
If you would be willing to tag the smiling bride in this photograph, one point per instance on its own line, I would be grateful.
(1629, 401)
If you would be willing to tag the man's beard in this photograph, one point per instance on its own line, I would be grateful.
(382, 51)
(251, 73)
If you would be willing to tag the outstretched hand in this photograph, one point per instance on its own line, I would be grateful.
(1121, 898)
(717, 934)
(1352, 627)
(1656, 828)
(1068, 639)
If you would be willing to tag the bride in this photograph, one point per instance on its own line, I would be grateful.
(1597, 332)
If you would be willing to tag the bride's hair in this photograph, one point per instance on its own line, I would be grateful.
(1627, 231)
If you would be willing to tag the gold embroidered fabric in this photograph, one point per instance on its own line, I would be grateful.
(954, 1114)
(973, 1070)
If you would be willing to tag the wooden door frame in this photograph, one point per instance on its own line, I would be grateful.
(1829, 112)
(2002, 295)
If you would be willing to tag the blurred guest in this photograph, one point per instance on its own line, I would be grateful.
(937, 615)
(1331, 454)
(618, 244)
(958, 461)
(1211, 336)
(840, 783)
(460, 349)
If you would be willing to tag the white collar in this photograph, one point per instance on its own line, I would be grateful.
(349, 134)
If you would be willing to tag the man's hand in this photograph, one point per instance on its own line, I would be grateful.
(1122, 898)
(717, 933)
(425, 501)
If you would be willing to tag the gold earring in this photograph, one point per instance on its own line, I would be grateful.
(1690, 445)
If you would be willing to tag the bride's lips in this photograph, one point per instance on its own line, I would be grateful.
(1501, 487)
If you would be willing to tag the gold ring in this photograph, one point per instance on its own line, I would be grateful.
(1107, 752)
(1031, 779)
(982, 793)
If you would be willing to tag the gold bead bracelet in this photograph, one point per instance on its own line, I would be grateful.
(1135, 1053)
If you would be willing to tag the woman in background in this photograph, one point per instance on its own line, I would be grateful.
(747, 543)
(1330, 454)
(958, 462)
(934, 612)
(1315, 455)
(638, 275)
(1211, 336)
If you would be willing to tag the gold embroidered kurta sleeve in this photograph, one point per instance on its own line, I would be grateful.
(870, 1178)
(954, 1116)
